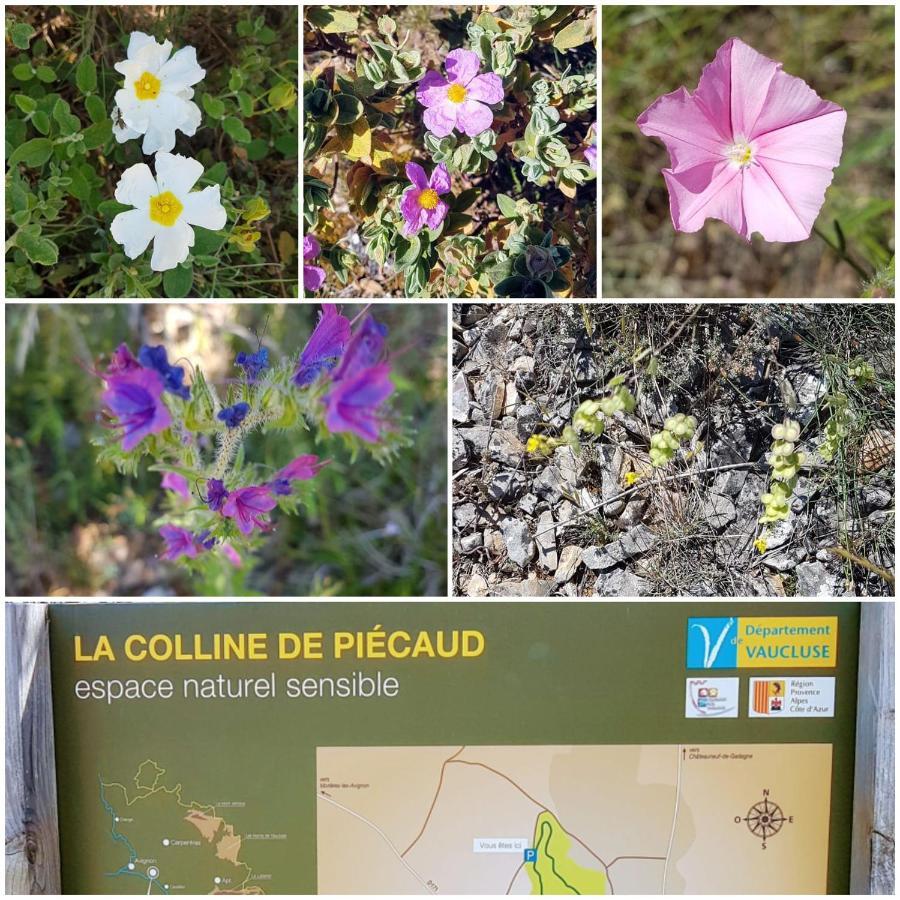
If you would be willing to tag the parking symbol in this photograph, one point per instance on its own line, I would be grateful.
(531, 854)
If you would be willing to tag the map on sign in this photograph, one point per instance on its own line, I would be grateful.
(170, 844)
(651, 819)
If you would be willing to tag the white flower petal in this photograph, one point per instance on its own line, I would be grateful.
(136, 186)
(135, 114)
(190, 121)
(133, 230)
(137, 40)
(181, 70)
(177, 173)
(123, 133)
(164, 117)
(152, 56)
(171, 246)
(204, 208)
(130, 69)
(185, 93)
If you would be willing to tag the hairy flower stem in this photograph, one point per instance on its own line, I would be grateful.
(231, 440)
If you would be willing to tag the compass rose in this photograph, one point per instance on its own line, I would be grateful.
(765, 819)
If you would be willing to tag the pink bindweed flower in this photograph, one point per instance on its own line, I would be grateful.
(176, 483)
(135, 398)
(753, 147)
(248, 507)
(460, 102)
(421, 206)
(313, 276)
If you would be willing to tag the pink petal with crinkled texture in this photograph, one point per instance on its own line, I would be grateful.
(416, 174)
(487, 88)
(440, 179)
(412, 211)
(713, 94)
(474, 117)
(782, 200)
(432, 89)
(751, 75)
(313, 278)
(683, 126)
(708, 191)
(814, 142)
(434, 217)
(790, 100)
(441, 120)
(462, 65)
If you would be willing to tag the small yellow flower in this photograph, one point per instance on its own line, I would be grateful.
(631, 478)
(760, 545)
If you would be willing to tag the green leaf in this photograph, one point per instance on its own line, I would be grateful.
(234, 127)
(80, 186)
(177, 282)
(245, 102)
(86, 75)
(257, 149)
(45, 74)
(236, 80)
(41, 122)
(95, 107)
(287, 145)
(349, 109)
(332, 21)
(109, 209)
(507, 206)
(206, 261)
(214, 107)
(97, 135)
(25, 103)
(282, 96)
(574, 34)
(21, 35)
(33, 153)
(217, 173)
(40, 250)
(23, 72)
(207, 242)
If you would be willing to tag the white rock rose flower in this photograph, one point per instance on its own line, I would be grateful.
(156, 99)
(165, 209)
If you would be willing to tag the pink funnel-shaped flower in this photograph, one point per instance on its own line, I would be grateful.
(752, 146)
(460, 101)
(248, 507)
(313, 276)
(421, 206)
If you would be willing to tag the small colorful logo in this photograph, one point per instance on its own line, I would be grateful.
(712, 643)
(531, 854)
(709, 698)
(768, 697)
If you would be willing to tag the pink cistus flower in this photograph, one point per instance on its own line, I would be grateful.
(752, 146)
(313, 276)
(421, 206)
(460, 102)
(248, 507)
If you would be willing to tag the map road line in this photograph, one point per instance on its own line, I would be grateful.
(384, 837)
(674, 820)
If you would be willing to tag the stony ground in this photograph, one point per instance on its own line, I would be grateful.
(598, 520)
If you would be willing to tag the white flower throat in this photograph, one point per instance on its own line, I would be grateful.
(741, 153)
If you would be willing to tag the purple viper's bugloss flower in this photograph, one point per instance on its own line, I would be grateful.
(324, 347)
(253, 363)
(135, 399)
(300, 469)
(176, 483)
(122, 361)
(215, 494)
(173, 376)
(248, 507)
(179, 542)
(232, 416)
(352, 403)
(364, 349)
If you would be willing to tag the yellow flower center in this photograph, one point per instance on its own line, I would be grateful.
(456, 93)
(428, 199)
(165, 209)
(741, 153)
(147, 87)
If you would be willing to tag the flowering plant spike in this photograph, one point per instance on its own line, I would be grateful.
(752, 146)
(217, 498)
(165, 209)
(156, 99)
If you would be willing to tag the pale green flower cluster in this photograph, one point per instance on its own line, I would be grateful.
(785, 461)
(664, 444)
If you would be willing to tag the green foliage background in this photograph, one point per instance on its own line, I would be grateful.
(64, 164)
(846, 54)
(75, 527)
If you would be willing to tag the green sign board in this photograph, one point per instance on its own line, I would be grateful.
(455, 748)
